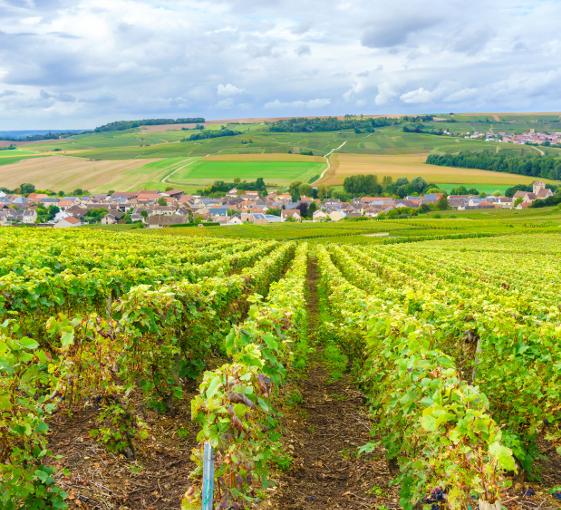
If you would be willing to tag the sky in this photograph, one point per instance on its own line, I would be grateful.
(80, 63)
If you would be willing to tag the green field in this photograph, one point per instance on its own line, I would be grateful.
(274, 172)
(176, 167)
(439, 225)
(481, 187)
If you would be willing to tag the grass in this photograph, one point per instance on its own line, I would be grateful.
(444, 224)
(481, 187)
(274, 172)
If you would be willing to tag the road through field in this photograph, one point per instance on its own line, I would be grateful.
(326, 156)
(176, 168)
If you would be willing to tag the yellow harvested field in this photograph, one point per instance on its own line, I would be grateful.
(68, 173)
(282, 156)
(412, 165)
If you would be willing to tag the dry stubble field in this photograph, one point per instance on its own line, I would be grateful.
(68, 173)
(411, 165)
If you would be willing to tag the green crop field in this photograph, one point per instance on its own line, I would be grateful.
(165, 159)
(275, 172)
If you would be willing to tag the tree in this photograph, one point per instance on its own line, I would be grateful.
(162, 202)
(312, 209)
(323, 192)
(275, 211)
(94, 215)
(45, 214)
(442, 203)
(294, 190)
(362, 185)
(26, 188)
(303, 208)
(305, 190)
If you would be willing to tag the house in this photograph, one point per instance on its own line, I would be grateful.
(234, 220)
(69, 221)
(29, 216)
(176, 194)
(337, 215)
(145, 197)
(526, 198)
(77, 211)
(260, 218)
(36, 197)
(320, 216)
(159, 221)
(291, 214)
(541, 191)
(432, 198)
(111, 219)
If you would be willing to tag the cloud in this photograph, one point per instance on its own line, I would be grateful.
(309, 104)
(418, 96)
(80, 63)
(392, 32)
(227, 90)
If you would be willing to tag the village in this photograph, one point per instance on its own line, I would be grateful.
(156, 209)
(531, 137)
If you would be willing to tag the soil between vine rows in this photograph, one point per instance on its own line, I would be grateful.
(324, 433)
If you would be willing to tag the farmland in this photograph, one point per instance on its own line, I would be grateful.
(410, 166)
(346, 316)
(68, 173)
(151, 153)
(285, 171)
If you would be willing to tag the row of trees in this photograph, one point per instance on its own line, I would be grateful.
(421, 128)
(319, 124)
(122, 125)
(212, 133)
(547, 167)
(28, 188)
(220, 188)
(361, 185)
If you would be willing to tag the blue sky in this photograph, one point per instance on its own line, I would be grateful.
(80, 63)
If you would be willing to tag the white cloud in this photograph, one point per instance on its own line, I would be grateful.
(418, 96)
(102, 60)
(309, 104)
(228, 90)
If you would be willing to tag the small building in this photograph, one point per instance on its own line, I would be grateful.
(337, 215)
(320, 216)
(69, 221)
(291, 214)
(160, 220)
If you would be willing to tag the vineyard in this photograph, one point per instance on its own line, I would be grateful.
(414, 375)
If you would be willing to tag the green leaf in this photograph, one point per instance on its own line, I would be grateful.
(28, 343)
(503, 455)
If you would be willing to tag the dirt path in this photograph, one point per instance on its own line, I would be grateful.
(328, 162)
(324, 432)
(538, 150)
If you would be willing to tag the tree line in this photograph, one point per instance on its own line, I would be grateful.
(28, 188)
(220, 188)
(51, 135)
(122, 125)
(362, 185)
(212, 133)
(547, 167)
(320, 124)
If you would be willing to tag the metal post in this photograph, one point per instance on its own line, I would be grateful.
(208, 477)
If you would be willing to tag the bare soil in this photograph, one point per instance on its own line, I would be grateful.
(99, 480)
(324, 434)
